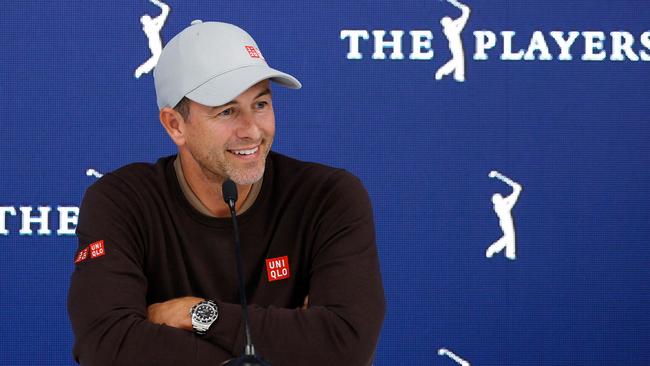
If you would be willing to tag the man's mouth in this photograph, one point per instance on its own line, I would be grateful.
(245, 152)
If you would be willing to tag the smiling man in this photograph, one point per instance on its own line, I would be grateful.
(231, 140)
(155, 280)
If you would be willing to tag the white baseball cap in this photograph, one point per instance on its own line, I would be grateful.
(212, 63)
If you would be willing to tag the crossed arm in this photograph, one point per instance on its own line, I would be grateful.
(175, 312)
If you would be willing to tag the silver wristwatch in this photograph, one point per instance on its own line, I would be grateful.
(203, 315)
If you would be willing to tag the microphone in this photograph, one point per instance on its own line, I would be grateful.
(249, 358)
(229, 191)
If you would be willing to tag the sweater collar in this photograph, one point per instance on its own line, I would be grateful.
(196, 202)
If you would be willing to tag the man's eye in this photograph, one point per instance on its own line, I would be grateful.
(261, 105)
(225, 113)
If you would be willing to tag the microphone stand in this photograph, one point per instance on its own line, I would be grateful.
(249, 358)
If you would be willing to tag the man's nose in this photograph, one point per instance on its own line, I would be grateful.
(247, 126)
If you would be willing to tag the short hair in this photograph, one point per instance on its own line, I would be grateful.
(183, 108)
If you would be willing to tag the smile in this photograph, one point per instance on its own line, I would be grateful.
(245, 151)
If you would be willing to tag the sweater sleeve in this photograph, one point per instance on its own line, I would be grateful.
(107, 297)
(346, 297)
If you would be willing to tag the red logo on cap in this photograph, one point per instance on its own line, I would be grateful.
(97, 249)
(252, 52)
(277, 268)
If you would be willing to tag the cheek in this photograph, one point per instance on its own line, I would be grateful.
(205, 141)
(268, 125)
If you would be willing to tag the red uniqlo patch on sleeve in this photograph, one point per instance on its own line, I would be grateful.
(83, 254)
(252, 52)
(97, 249)
(277, 268)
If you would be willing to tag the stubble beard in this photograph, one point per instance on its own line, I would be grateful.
(221, 167)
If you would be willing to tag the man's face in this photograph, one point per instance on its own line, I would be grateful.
(234, 139)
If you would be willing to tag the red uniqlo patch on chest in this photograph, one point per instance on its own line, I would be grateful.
(277, 268)
(83, 254)
(97, 249)
(252, 52)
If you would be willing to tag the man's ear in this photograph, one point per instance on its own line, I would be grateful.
(174, 124)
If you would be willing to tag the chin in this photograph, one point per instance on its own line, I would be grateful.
(243, 178)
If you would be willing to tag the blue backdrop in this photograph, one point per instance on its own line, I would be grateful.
(574, 134)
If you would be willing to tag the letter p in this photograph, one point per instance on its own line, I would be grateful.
(485, 40)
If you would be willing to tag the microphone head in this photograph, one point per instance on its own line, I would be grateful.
(229, 190)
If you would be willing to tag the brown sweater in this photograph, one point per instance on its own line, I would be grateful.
(149, 245)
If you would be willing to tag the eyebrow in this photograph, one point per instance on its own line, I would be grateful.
(262, 93)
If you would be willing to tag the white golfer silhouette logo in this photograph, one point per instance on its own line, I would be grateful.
(503, 208)
(448, 353)
(452, 29)
(152, 27)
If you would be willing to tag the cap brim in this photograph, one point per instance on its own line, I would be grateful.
(226, 87)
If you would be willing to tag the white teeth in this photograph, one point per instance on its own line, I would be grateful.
(245, 152)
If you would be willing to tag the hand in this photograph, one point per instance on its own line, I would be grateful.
(174, 313)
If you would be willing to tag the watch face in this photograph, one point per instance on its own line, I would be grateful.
(205, 313)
